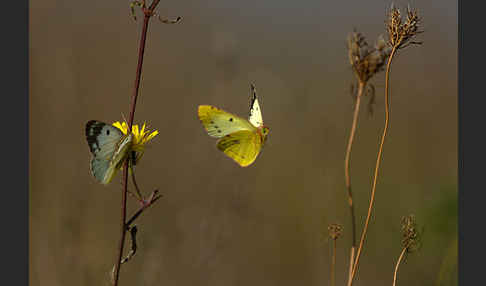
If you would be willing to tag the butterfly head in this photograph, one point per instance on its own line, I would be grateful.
(264, 131)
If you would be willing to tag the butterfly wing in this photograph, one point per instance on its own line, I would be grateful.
(219, 123)
(242, 146)
(101, 170)
(255, 110)
(109, 147)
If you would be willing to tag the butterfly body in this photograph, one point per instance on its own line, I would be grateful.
(109, 146)
(240, 139)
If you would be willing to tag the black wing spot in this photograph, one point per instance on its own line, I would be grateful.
(212, 122)
(93, 129)
(231, 119)
(219, 131)
(108, 132)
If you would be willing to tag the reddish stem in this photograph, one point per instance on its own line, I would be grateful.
(147, 14)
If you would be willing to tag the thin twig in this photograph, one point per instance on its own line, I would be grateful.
(147, 14)
(377, 166)
(139, 194)
(145, 204)
(398, 264)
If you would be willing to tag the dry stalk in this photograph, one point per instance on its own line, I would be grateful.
(400, 35)
(335, 231)
(366, 62)
(404, 250)
(410, 241)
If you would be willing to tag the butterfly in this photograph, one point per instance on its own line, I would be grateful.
(240, 139)
(109, 146)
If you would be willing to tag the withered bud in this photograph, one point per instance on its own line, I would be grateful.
(365, 60)
(335, 231)
(410, 235)
(402, 31)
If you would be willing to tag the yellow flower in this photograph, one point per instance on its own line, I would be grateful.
(140, 137)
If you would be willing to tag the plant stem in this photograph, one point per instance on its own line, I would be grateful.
(146, 204)
(347, 173)
(377, 166)
(333, 263)
(398, 264)
(147, 14)
(139, 194)
(351, 263)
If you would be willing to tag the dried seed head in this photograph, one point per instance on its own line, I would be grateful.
(365, 60)
(410, 235)
(335, 231)
(402, 31)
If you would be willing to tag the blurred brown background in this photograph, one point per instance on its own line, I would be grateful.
(219, 224)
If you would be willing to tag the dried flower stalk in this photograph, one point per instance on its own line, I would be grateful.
(400, 35)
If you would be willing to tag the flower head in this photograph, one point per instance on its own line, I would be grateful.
(366, 60)
(411, 236)
(140, 137)
(402, 31)
(335, 231)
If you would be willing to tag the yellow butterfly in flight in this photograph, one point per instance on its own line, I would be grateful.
(241, 139)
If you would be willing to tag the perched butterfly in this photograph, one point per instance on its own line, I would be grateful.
(110, 148)
(241, 139)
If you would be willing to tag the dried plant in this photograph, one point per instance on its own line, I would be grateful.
(401, 34)
(335, 231)
(411, 236)
(410, 241)
(365, 61)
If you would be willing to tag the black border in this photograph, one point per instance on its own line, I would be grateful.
(471, 145)
(15, 143)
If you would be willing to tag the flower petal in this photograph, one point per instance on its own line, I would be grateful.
(135, 130)
(152, 135)
(143, 129)
(121, 127)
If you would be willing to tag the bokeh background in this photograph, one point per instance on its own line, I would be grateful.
(219, 224)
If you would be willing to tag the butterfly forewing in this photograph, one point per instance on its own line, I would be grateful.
(102, 138)
(109, 147)
(255, 110)
(219, 123)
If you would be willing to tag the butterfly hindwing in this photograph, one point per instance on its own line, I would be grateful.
(102, 170)
(219, 123)
(241, 146)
